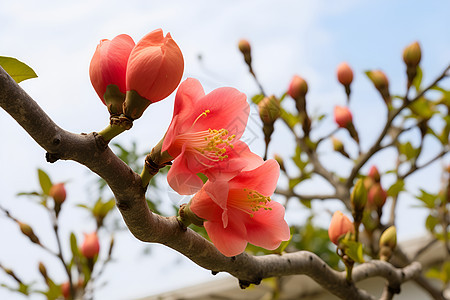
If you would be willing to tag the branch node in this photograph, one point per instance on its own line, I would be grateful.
(100, 142)
(52, 157)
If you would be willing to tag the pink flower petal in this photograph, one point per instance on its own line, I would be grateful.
(262, 179)
(181, 178)
(230, 241)
(267, 228)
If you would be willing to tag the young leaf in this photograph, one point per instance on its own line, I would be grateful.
(355, 251)
(396, 188)
(44, 181)
(16, 69)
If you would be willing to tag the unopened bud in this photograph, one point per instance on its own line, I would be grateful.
(65, 290)
(245, 48)
(358, 197)
(43, 270)
(381, 83)
(388, 242)
(58, 193)
(344, 74)
(377, 196)
(342, 116)
(280, 161)
(28, 231)
(91, 246)
(374, 174)
(412, 55)
(340, 225)
(269, 109)
(338, 146)
(297, 88)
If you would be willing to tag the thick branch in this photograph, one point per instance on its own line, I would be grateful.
(91, 151)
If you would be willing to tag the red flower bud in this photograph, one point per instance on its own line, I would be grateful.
(344, 74)
(65, 290)
(155, 68)
(90, 246)
(340, 225)
(377, 196)
(108, 68)
(374, 174)
(298, 87)
(58, 193)
(342, 116)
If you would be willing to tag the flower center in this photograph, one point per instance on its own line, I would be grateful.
(210, 144)
(248, 201)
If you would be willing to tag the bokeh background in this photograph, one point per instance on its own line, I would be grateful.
(309, 38)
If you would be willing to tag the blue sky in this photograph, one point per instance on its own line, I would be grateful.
(309, 38)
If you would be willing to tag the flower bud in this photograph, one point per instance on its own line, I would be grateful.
(374, 174)
(344, 74)
(107, 71)
(269, 109)
(65, 290)
(58, 193)
(245, 48)
(358, 196)
(377, 196)
(340, 225)
(381, 83)
(412, 55)
(388, 242)
(43, 270)
(342, 116)
(298, 87)
(154, 70)
(338, 146)
(91, 246)
(28, 231)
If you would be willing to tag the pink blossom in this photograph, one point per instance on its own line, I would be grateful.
(203, 135)
(239, 210)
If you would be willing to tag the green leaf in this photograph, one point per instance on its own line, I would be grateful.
(44, 181)
(396, 188)
(354, 250)
(428, 200)
(282, 246)
(74, 245)
(431, 223)
(294, 181)
(16, 69)
(257, 98)
(202, 177)
(306, 203)
(289, 118)
(408, 150)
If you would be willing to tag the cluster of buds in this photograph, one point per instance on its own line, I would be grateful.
(345, 77)
(344, 119)
(411, 56)
(128, 77)
(297, 90)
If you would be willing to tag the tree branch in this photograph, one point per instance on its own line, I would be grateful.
(91, 151)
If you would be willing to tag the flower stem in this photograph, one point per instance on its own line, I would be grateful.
(111, 131)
